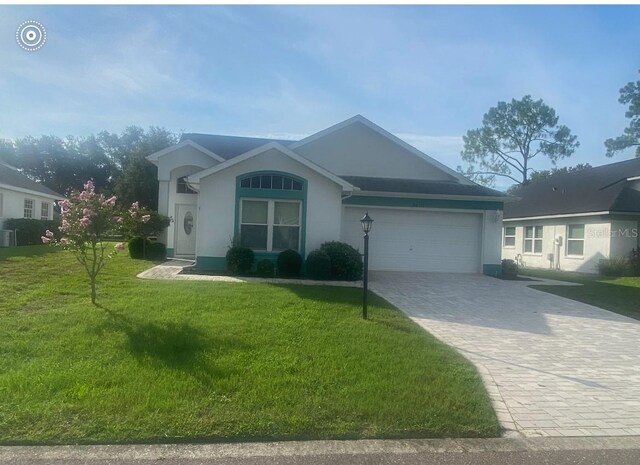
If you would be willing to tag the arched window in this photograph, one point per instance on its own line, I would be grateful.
(271, 181)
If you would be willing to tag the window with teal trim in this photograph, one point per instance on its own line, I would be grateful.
(270, 225)
(271, 181)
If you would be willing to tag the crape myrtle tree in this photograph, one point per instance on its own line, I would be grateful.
(511, 136)
(629, 95)
(87, 218)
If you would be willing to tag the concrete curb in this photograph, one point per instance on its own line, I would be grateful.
(9, 454)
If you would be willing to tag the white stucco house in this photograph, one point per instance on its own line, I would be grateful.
(272, 195)
(572, 221)
(20, 197)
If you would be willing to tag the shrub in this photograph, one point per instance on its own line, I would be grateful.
(616, 266)
(266, 268)
(509, 268)
(139, 247)
(634, 261)
(157, 251)
(289, 263)
(30, 231)
(318, 265)
(346, 262)
(239, 259)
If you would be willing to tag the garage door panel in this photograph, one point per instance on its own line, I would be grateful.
(417, 240)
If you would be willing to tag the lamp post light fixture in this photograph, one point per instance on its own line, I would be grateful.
(366, 223)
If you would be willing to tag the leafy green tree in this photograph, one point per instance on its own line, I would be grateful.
(629, 95)
(511, 136)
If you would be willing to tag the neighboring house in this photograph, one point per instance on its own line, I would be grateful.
(272, 195)
(20, 197)
(572, 221)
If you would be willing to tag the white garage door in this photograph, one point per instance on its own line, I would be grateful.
(417, 240)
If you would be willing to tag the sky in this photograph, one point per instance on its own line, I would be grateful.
(425, 73)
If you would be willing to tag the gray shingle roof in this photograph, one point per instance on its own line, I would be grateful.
(602, 188)
(230, 146)
(420, 186)
(12, 177)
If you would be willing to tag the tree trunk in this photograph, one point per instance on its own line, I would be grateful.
(93, 290)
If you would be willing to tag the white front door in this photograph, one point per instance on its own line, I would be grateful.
(185, 230)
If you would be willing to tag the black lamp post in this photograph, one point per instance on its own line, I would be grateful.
(366, 223)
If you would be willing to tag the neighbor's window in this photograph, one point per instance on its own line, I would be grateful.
(28, 208)
(268, 181)
(510, 236)
(44, 211)
(533, 239)
(575, 239)
(270, 225)
(182, 187)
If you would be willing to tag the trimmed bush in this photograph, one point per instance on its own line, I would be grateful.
(239, 259)
(617, 266)
(318, 265)
(509, 268)
(289, 263)
(346, 262)
(266, 268)
(157, 251)
(31, 230)
(139, 247)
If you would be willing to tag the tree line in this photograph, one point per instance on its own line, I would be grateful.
(115, 162)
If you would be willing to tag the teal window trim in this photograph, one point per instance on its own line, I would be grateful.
(381, 201)
(272, 194)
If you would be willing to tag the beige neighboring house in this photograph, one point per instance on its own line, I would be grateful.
(20, 197)
(572, 221)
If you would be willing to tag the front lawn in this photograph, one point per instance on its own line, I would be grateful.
(163, 361)
(619, 295)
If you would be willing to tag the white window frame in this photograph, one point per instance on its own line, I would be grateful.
(270, 220)
(42, 215)
(575, 240)
(505, 236)
(30, 210)
(533, 240)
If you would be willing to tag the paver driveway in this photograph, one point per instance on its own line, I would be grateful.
(553, 366)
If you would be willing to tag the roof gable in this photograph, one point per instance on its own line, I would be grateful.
(195, 178)
(359, 147)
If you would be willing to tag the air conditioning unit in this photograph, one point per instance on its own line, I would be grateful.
(6, 238)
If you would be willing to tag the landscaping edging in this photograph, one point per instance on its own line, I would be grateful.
(171, 270)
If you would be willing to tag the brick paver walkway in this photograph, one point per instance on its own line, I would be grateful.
(552, 366)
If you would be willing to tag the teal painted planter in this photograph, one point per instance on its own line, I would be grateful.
(170, 253)
(211, 264)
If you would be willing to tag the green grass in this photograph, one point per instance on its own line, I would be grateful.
(163, 361)
(619, 295)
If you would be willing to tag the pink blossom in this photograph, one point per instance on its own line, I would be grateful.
(64, 226)
(119, 246)
(85, 195)
(48, 233)
(110, 201)
(135, 206)
(117, 219)
(88, 186)
(45, 240)
(64, 241)
(64, 205)
(87, 212)
(146, 218)
(84, 222)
